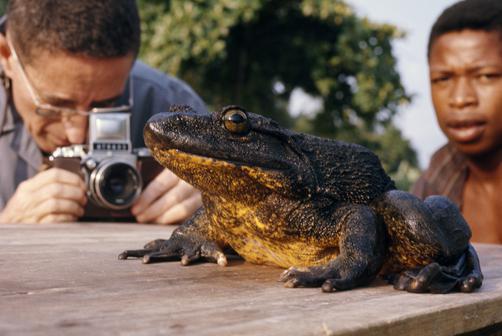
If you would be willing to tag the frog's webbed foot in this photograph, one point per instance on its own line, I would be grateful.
(302, 277)
(317, 276)
(150, 247)
(180, 246)
(464, 275)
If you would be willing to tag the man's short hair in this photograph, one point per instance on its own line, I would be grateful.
(93, 28)
(483, 15)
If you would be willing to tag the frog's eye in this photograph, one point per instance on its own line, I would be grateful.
(236, 121)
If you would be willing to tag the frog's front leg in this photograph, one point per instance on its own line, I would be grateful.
(362, 248)
(430, 240)
(189, 242)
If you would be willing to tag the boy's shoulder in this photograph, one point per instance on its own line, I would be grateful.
(445, 175)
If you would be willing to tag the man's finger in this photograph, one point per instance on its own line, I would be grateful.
(58, 218)
(180, 211)
(65, 191)
(174, 196)
(58, 206)
(50, 176)
(160, 185)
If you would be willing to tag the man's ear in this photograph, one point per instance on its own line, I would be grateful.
(5, 56)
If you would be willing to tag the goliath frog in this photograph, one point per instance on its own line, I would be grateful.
(323, 209)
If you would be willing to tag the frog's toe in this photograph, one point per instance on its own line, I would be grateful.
(288, 274)
(474, 278)
(435, 279)
(422, 282)
(430, 278)
(208, 250)
(401, 281)
(155, 251)
(471, 282)
(149, 248)
(302, 277)
(212, 251)
(292, 283)
(155, 245)
(464, 275)
(160, 256)
(187, 259)
(133, 254)
(317, 276)
(304, 280)
(331, 285)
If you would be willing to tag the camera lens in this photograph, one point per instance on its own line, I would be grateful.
(117, 184)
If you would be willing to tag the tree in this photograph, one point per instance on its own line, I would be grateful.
(3, 6)
(255, 53)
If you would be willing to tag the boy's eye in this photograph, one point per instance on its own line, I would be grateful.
(486, 77)
(440, 79)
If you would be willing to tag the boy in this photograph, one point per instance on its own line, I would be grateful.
(465, 68)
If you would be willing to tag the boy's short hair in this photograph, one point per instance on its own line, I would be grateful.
(94, 28)
(483, 15)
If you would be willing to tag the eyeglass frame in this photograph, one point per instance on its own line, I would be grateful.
(54, 111)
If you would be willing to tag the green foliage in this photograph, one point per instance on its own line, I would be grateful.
(256, 52)
(3, 6)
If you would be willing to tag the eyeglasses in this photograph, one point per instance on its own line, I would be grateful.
(51, 111)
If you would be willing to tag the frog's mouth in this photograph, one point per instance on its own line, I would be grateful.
(211, 174)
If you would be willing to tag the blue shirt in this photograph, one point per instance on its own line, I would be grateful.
(21, 158)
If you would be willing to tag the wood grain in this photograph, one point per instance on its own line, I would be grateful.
(66, 280)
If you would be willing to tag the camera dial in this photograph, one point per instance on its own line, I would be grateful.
(90, 164)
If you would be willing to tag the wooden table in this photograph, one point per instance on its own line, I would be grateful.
(66, 280)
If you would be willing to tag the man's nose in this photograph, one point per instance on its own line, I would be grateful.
(463, 93)
(75, 127)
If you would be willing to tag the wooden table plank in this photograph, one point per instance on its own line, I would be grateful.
(66, 279)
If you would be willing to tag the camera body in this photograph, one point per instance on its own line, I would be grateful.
(113, 171)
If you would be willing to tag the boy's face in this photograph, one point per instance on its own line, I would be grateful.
(465, 69)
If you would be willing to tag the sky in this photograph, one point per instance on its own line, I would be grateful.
(417, 120)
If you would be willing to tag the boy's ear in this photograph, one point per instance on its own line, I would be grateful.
(5, 56)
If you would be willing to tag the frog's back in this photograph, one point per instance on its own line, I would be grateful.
(346, 171)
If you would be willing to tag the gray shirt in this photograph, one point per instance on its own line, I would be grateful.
(20, 158)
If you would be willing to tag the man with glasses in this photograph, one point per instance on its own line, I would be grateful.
(61, 61)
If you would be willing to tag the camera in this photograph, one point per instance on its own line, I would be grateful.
(113, 171)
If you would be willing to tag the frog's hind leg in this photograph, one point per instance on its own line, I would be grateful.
(464, 275)
(431, 240)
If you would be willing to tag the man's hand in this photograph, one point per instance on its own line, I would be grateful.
(166, 200)
(54, 195)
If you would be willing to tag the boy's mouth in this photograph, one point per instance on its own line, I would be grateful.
(465, 131)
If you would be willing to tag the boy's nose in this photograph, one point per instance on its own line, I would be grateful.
(463, 93)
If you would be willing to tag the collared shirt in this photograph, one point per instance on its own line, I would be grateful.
(21, 158)
(446, 175)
